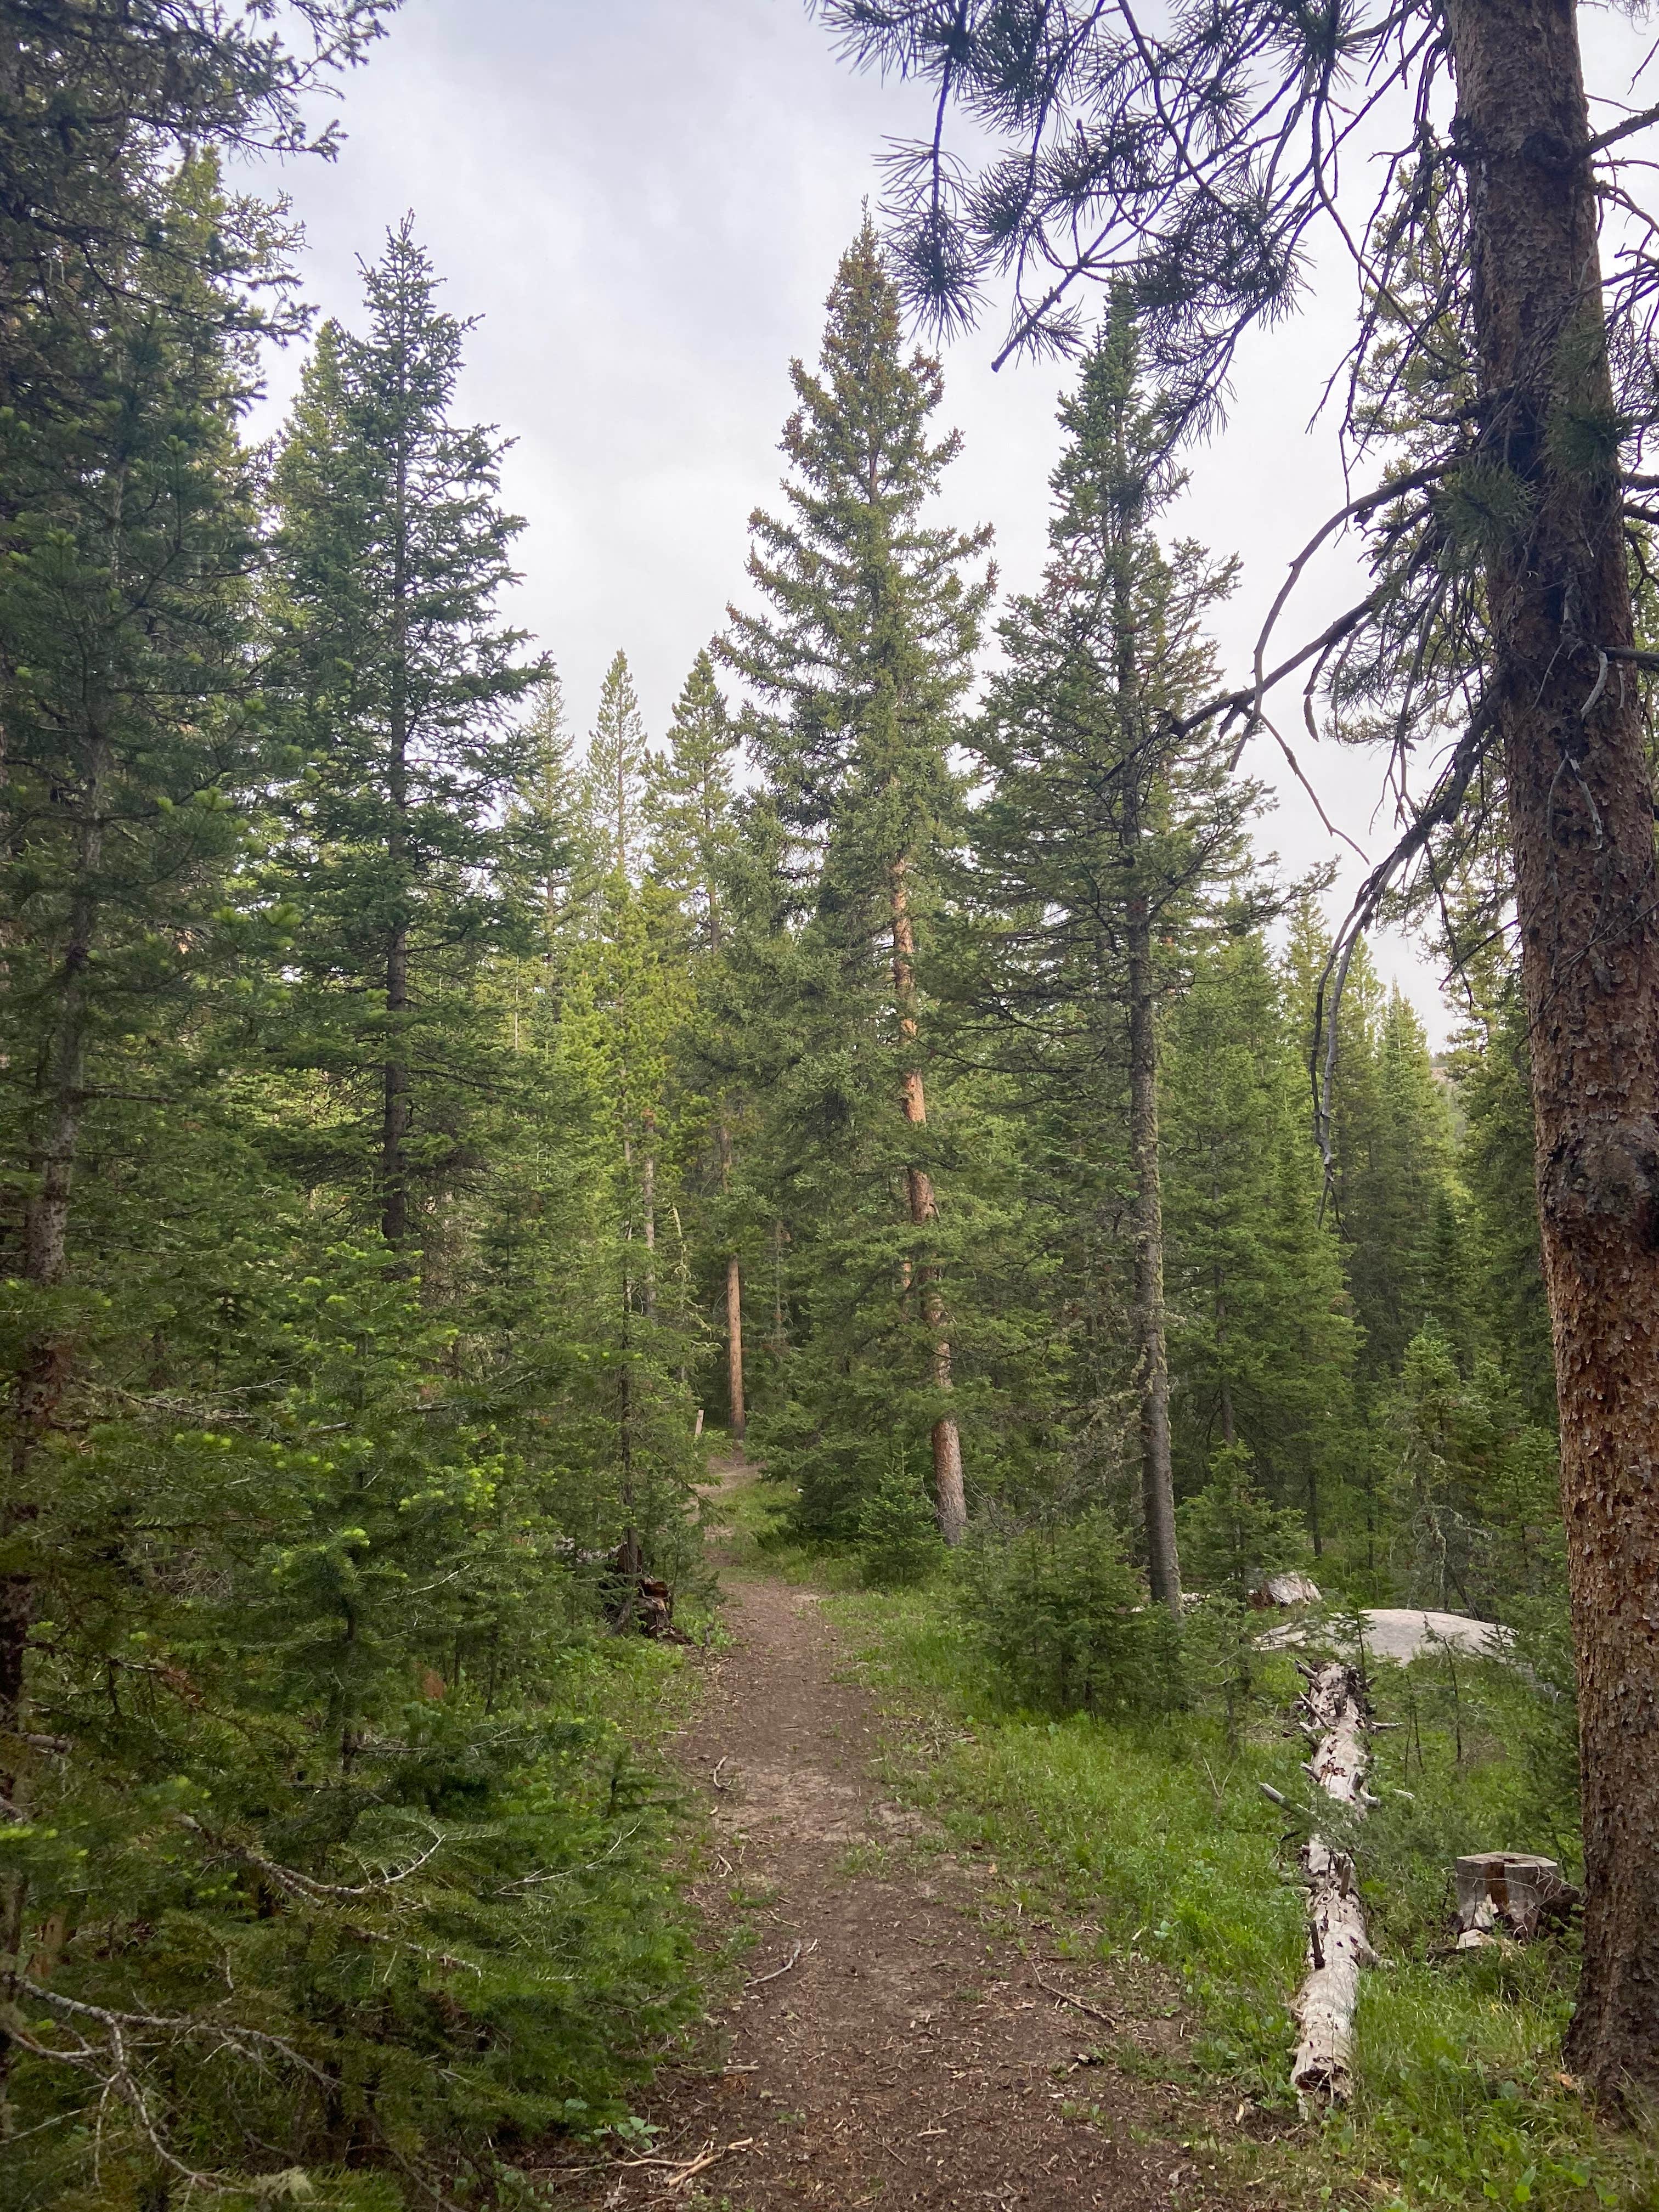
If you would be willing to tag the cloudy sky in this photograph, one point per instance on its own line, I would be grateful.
(643, 201)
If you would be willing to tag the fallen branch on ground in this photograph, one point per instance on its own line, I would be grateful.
(1065, 1997)
(789, 1964)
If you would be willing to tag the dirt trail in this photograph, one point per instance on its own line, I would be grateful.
(909, 2055)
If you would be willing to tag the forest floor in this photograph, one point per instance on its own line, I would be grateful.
(892, 2040)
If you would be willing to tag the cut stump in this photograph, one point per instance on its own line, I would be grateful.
(1509, 1894)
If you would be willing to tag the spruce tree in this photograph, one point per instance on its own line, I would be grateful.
(1264, 1344)
(1107, 829)
(614, 775)
(690, 805)
(858, 658)
(392, 549)
(132, 740)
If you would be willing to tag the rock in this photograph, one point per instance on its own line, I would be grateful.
(1402, 1633)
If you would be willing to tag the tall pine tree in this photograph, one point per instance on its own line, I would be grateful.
(858, 658)
(1108, 829)
(392, 550)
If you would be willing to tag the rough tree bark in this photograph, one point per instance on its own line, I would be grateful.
(950, 1500)
(1151, 1350)
(1581, 810)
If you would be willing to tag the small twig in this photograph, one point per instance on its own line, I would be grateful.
(1065, 1997)
(788, 1965)
(716, 1776)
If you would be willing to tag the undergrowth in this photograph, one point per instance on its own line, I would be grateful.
(1152, 1838)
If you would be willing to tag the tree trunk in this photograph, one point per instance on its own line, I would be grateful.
(1152, 1364)
(649, 1206)
(1580, 813)
(394, 1132)
(734, 1343)
(950, 1500)
(733, 1304)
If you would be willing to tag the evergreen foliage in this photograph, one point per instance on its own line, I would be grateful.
(403, 1107)
(858, 657)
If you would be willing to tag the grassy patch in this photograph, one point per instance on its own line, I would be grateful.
(1153, 1840)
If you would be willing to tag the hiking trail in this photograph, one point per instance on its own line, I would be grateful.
(891, 2045)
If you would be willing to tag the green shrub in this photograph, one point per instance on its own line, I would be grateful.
(898, 1539)
(1063, 1618)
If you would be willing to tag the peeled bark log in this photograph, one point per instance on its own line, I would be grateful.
(1337, 1943)
(1580, 804)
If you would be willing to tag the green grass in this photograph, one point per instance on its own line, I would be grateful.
(1154, 1840)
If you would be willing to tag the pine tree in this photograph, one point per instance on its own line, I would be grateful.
(1107, 830)
(132, 740)
(1393, 1185)
(614, 775)
(550, 850)
(858, 661)
(1264, 1344)
(690, 805)
(392, 550)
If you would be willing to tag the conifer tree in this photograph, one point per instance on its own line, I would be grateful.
(392, 549)
(549, 849)
(614, 775)
(858, 659)
(130, 740)
(1394, 1183)
(1106, 831)
(1264, 1344)
(690, 805)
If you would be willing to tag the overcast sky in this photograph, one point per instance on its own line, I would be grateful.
(643, 201)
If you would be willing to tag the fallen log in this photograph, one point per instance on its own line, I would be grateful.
(1338, 1947)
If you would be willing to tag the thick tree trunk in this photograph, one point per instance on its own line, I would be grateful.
(1153, 1364)
(1581, 811)
(950, 1497)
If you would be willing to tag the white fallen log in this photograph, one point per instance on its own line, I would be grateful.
(1337, 1943)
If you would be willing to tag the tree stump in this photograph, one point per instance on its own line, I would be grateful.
(1509, 1894)
(1274, 1592)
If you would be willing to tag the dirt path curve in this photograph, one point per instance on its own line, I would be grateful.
(888, 2048)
